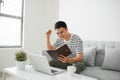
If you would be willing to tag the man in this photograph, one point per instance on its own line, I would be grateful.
(74, 43)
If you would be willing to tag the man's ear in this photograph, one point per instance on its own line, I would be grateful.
(66, 29)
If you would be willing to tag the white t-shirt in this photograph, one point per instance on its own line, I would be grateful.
(75, 44)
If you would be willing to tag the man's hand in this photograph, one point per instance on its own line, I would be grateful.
(63, 59)
(48, 33)
(67, 59)
(49, 46)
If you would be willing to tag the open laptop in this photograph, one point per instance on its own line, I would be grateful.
(40, 63)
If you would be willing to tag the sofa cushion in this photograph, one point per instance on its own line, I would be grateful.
(101, 74)
(112, 59)
(89, 55)
(100, 54)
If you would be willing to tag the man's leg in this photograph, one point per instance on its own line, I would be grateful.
(80, 66)
(58, 64)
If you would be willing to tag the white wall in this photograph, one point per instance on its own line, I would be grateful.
(39, 15)
(92, 19)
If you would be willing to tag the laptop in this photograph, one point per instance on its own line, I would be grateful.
(40, 63)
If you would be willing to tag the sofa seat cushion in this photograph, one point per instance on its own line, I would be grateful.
(101, 74)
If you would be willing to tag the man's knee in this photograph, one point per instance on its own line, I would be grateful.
(80, 66)
(58, 64)
(52, 63)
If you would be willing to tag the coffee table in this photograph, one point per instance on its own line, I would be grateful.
(30, 74)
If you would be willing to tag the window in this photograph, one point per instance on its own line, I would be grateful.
(11, 23)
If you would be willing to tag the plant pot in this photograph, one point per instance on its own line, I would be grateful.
(20, 65)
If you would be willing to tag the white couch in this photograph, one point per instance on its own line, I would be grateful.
(100, 71)
(96, 69)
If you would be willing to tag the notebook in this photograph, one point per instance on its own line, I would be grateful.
(63, 50)
(40, 63)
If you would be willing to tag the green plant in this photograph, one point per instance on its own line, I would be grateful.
(20, 56)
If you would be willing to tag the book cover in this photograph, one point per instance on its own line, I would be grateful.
(63, 50)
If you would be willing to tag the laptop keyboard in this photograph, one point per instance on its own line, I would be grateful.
(53, 71)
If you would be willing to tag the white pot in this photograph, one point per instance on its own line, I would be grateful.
(20, 65)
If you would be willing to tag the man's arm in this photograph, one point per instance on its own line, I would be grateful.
(78, 57)
(49, 46)
(64, 59)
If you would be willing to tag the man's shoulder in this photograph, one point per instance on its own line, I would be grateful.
(75, 36)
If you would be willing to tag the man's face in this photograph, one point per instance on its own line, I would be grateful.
(62, 32)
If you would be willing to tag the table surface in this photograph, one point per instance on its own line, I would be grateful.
(30, 74)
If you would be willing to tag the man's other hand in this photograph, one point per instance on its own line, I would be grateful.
(48, 33)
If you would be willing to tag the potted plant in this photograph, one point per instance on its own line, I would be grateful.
(20, 57)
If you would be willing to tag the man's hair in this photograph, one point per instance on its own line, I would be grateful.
(60, 24)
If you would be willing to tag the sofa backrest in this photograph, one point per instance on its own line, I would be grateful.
(100, 53)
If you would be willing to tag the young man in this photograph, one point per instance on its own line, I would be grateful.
(74, 43)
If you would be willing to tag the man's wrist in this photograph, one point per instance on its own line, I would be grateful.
(71, 60)
(47, 36)
(68, 59)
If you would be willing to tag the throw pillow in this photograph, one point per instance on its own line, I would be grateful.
(89, 54)
(112, 59)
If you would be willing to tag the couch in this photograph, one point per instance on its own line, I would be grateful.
(104, 67)
(99, 63)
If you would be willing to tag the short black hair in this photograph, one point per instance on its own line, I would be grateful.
(60, 24)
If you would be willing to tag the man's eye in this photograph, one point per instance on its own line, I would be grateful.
(62, 32)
